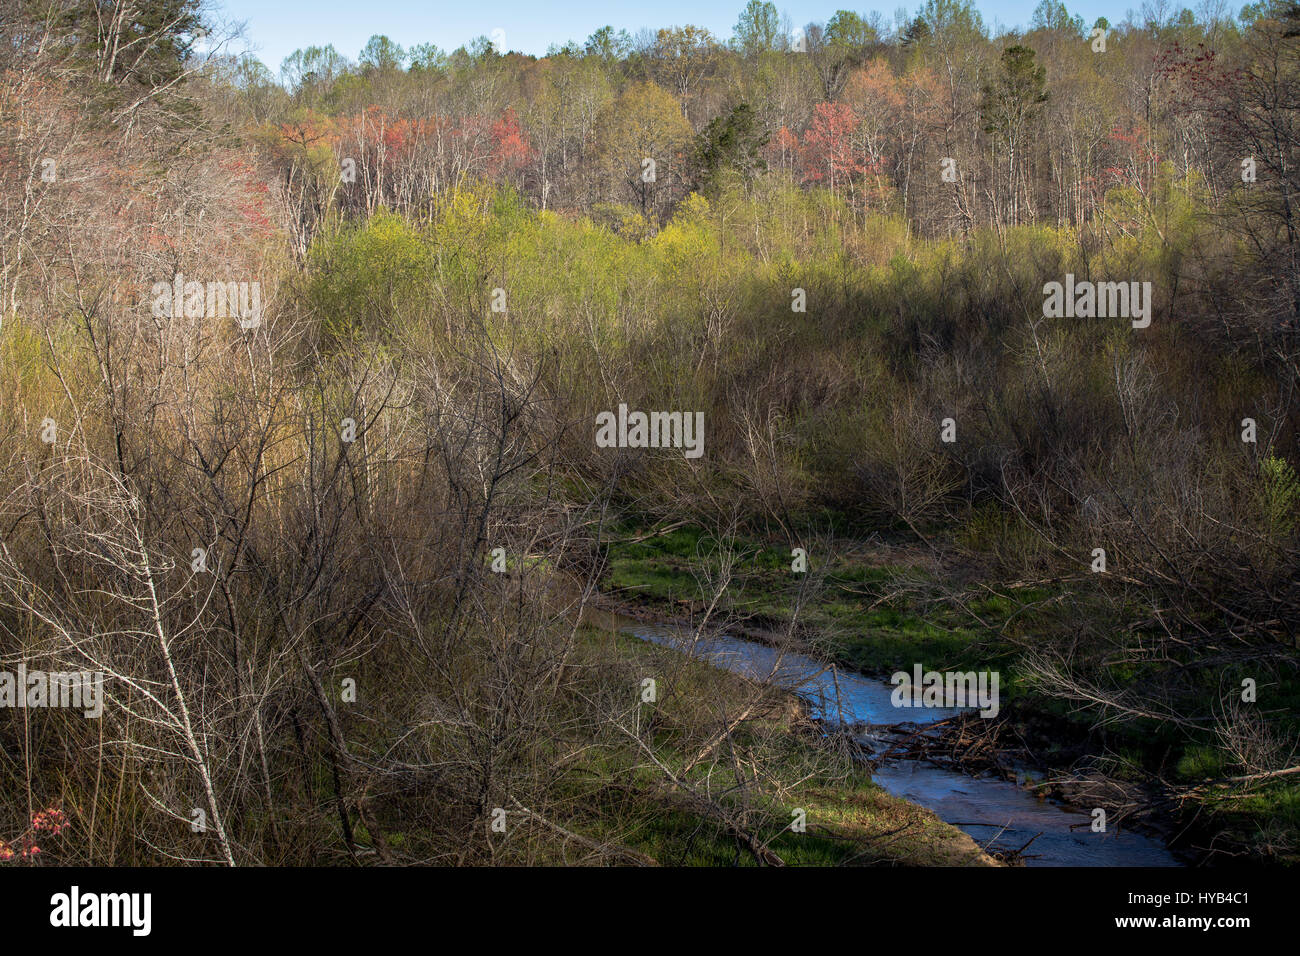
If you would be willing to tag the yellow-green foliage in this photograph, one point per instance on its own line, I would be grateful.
(30, 390)
(367, 278)
(898, 332)
(1281, 494)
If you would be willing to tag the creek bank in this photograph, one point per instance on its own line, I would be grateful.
(996, 810)
(892, 829)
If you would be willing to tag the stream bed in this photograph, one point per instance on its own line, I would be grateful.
(997, 813)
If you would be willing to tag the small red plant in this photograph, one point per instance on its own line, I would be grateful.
(52, 821)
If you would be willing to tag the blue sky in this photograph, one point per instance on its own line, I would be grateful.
(275, 28)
